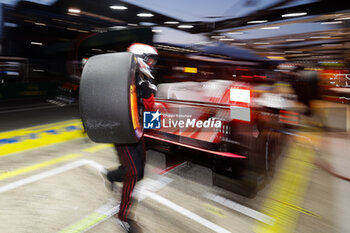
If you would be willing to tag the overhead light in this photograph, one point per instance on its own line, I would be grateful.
(185, 26)
(156, 30)
(117, 27)
(268, 28)
(97, 50)
(332, 22)
(203, 42)
(257, 21)
(295, 39)
(227, 39)
(99, 30)
(10, 25)
(37, 70)
(261, 43)
(171, 22)
(40, 24)
(294, 14)
(145, 15)
(118, 7)
(36, 43)
(235, 33)
(147, 24)
(217, 37)
(238, 44)
(72, 29)
(74, 10)
(343, 18)
(133, 24)
(72, 14)
(29, 21)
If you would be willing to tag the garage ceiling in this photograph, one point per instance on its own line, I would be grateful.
(67, 19)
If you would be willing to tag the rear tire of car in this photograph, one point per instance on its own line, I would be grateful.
(266, 153)
(108, 99)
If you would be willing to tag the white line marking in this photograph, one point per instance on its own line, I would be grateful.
(43, 175)
(151, 185)
(109, 209)
(144, 191)
(147, 184)
(239, 208)
(112, 207)
(83, 225)
(185, 212)
(96, 165)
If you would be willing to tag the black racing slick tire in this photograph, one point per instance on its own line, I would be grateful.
(108, 99)
(266, 152)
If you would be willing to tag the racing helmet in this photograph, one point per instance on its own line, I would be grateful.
(146, 52)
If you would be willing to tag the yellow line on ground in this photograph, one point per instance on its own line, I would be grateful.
(35, 137)
(85, 223)
(34, 167)
(96, 148)
(302, 210)
(19, 132)
(54, 124)
(288, 190)
(214, 210)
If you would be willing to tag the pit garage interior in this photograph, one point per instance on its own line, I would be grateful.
(50, 171)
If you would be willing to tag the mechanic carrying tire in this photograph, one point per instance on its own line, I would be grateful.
(115, 88)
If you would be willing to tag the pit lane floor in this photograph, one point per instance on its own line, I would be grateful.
(56, 186)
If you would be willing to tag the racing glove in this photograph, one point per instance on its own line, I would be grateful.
(148, 91)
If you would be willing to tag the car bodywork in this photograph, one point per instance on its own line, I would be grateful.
(239, 93)
(202, 101)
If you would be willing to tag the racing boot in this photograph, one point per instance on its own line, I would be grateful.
(112, 176)
(130, 226)
(109, 185)
(116, 175)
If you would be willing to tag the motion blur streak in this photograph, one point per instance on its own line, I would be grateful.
(288, 190)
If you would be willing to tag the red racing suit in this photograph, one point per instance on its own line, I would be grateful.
(132, 157)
